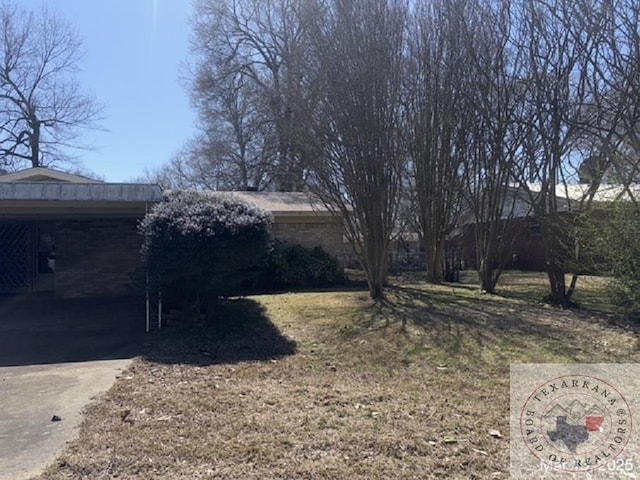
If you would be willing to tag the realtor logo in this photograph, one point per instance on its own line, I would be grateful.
(575, 423)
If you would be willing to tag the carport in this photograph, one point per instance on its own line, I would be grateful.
(71, 315)
(69, 234)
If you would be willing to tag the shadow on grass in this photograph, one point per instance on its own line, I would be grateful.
(535, 294)
(592, 294)
(240, 331)
(482, 331)
(348, 286)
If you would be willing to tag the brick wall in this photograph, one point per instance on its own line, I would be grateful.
(96, 257)
(310, 234)
(101, 257)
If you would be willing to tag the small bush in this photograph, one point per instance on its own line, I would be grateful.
(201, 247)
(291, 265)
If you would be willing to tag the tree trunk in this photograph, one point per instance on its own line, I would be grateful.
(376, 291)
(435, 252)
(558, 285)
(484, 257)
(554, 233)
(34, 143)
(487, 276)
(376, 273)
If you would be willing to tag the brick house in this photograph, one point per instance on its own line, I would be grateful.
(526, 229)
(299, 219)
(69, 234)
(77, 237)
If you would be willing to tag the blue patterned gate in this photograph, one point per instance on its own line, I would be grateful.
(14, 256)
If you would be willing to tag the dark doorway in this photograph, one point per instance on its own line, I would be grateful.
(45, 257)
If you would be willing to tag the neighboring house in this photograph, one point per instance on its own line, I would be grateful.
(78, 237)
(528, 252)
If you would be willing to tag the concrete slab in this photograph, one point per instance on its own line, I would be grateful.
(31, 395)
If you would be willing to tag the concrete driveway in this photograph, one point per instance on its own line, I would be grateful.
(56, 356)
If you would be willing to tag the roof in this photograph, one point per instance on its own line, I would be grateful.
(43, 174)
(44, 189)
(283, 203)
(605, 193)
(48, 184)
(80, 192)
(44, 192)
(518, 203)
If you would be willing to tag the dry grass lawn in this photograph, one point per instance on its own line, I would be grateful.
(329, 386)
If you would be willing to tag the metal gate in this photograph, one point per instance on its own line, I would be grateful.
(14, 256)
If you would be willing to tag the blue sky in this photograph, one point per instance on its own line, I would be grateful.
(134, 50)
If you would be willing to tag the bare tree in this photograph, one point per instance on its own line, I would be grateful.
(209, 162)
(188, 169)
(494, 138)
(617, 134)
(437, 122)
(610, 229)
(42, 108)
(560, 77)
(235, 144)
(263, 43)
(359, 55)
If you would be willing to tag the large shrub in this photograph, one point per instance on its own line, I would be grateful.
(610, 241)
(201, 247)
(292, 265)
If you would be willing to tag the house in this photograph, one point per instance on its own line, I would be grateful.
(516, 222)
(70, 234)
(299, 218)
(528, 251)
(77, 237)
